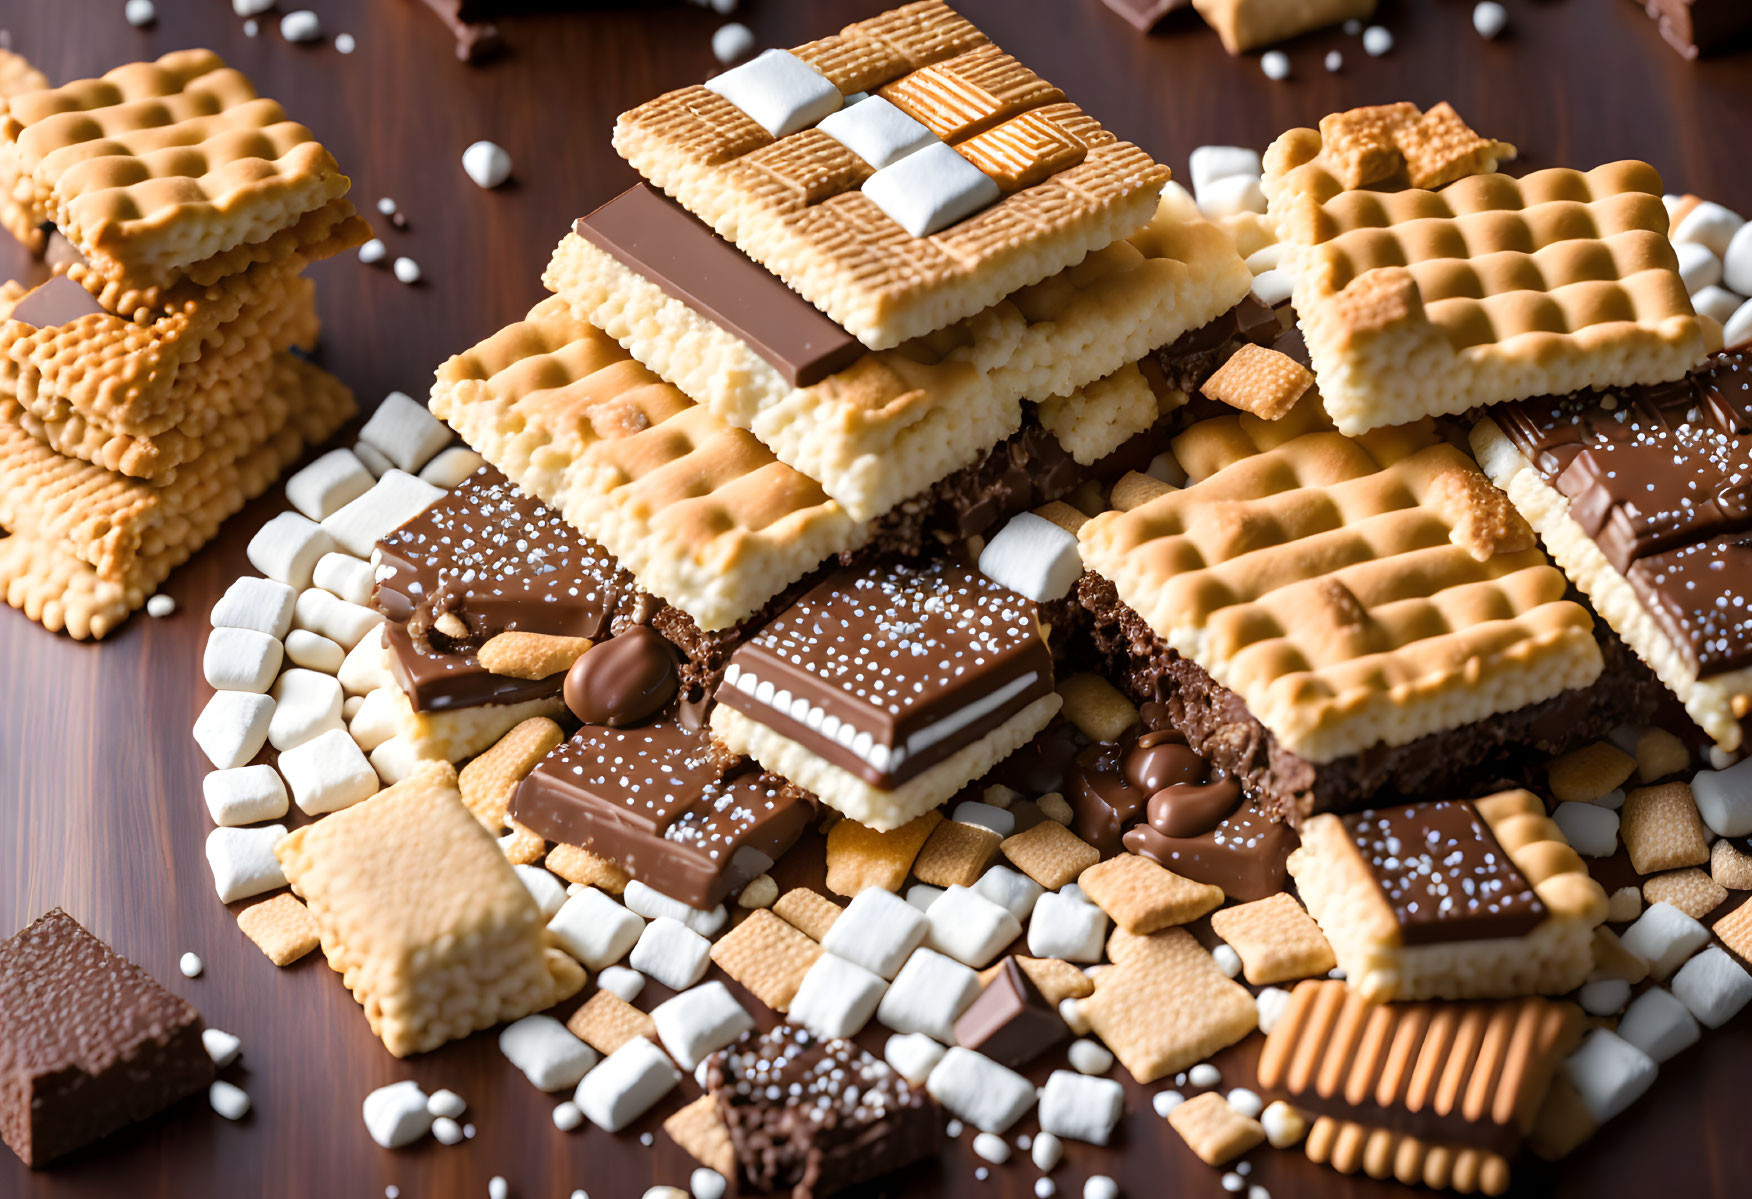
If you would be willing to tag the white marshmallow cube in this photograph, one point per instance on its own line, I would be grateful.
(307, 704)
(876, 131)
(1724, 799)
(626, 1085)
(1034, 557)
(344, 577)
(396, 1115)
(1698, 266)
(264, 605)
(341, 622)
(913, 1056)
(986, 815)
(1231, 195)
(1273, 287)
(244, 795)
(221, 1046)
(928, 995)
(1663, 936)
(370, 455)
(651, 903)
(1207, 164)
(1079, 1107)
(393, 500)
(241, 660)
(400, 758)
(672, 953)
(619, 980)
(969, 927)
(1713, 986)
(452, 467)
(1610, 1073)
(1737, 329)
(328, 484)
(364, 671)
(287, 547)
(836, 998)
(978, 1090)
(877, 930)
(550, 1057)
(595, 929)
(232, 727)
(487, 163)
(1591, 829)
(1010, 889)
(1737, 261)
(243, 861)
(327, 773)
(545, 887)
(377, 719)
(700, 1021)
(405, 432)
(1658, 1023)
(1717, 303)
(779, 91)
(931, 189)
(314, 651)
(922, 896)
(1066, 927)
(1711, 225)
(1266, 258)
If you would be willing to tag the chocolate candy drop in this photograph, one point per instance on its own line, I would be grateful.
(622, 681)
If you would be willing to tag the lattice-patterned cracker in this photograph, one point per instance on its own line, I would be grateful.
(955, 854)
(422, 917)
(767, 956)
(1416, 303)
(700, 512)
(1276, 939)
(1142, 897)
(1349, 592)
(1692, 891)
(1214, 1130)
(487, 782)
(56, 585)
(1735, 931)
(1165, 1005)
(281, 927)
(173, 168)
(809, 912)
(794, 204)
(1730, 865)
(859, 857)
(1259, 380)
(578, 865)
(17, 217)
(1389, 146)
(605, 1022)
(1452, 899)
(1050, 854)
(698, 1128)
(1662, 829)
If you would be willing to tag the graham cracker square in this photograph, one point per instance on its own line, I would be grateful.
(605, 1022)
(1691, 890)
(1662, 830)
(487, 782)
(281, 927)
(699, 1129)
(956, 854)
(1735, 931)
(1166, 1005)
(1050, 854)
(767, 956)
(576, 864)
(1056, 979)
(859, 857)
(809, 912)
(1143, 897)
(1276, 938)
(1214, 1130)
(1259, 380)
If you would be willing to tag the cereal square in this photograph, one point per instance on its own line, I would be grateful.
(1143, 897)
(1691, 890)
(281, 927)
(1276, 939)
(1662, 830)
(860, 857)
(1214, 1130)
(1050, 854)
(767, 956)
(605, 1022)
(809, 912)
(1165, 1005)
(956, 854)
(699, 1129)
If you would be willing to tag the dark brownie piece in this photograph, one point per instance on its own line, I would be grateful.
(816, 1116)
(89, 1042)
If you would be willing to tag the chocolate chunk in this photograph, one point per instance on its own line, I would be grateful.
(888, 669)
(60, 301)
(1695, 27)
(1443, 873)
(89, 1042)
(651, 234)
(476, 39)
(669, 805)
(811, 1117)
(1145, 15)
(624, 681)
(1010, 1021)
(1245, 855)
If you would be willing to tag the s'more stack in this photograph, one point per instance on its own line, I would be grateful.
(150, 388)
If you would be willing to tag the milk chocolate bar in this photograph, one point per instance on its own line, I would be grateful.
(89, 1042)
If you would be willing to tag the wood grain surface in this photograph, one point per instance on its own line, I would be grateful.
(100, 797)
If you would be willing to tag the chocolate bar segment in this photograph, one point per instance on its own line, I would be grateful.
(667, 805)
(89, 1042)
(888, 669)
(809, 1116)
(1010, 1021)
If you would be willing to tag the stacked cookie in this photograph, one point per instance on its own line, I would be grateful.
(149, 389)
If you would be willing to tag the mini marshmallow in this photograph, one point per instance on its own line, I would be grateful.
(731, 42)
(221, 1046)
(244, 795)
(1698, 266)
(301, 26)
(836, 998)
(567, 1116)
(931, 189)
(1610, 1073)
(1713, 986)
(1604, 996)
(327, 773)
(928, 995)
(263, 605)
(1227, 960)
(672, 953)
(1079, 1108)
(1663, 936)
(487, 163)
(232, 727)
(1266, 258)
(399, 758)
(622, 981)
(228, 1099)
(1089, 1057)
(446, 1103)
(1273, 287)
(780, 92)
(452, 467)
(393, 500)
(991, 1147)
(1247, 1102)
(1207, 164)
(595, 929)
(913, 1055)
(1275, 64)
(1283, 1124)
(241, 660)
(370, 455)
(1591, 829)
(1046, 1151)
(1272, 1003)
(243, 861)
(341, 622)
(328, 484)
(377, 719)
(626, 1085)
(700, 1021)
(876, 131)
(1737, 261)
(1064, 926)
(406, 270)
(1070, 1010)
(1489, 18)
(345, 577)
(969, 927)
(706, 1183)
(1377, 40)
(877, 930)
(448, 1132)
(1737, 333)
(406, 433)
(1659, 1024)
(651, 904)
(550, 1057)
(373, 251)
(1724, 798)
(139, 14)
(1204, 1075)
(364, 671)
(307, 704)
(396, 1115)
(1711, 225)
(314, 651)
(980, 1091)
(287, 547)
(1034, 557)
(1230, 196)
(1010, 889)
(1717, 303)
(545, 887)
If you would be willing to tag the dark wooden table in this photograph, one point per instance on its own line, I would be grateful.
(100, 797)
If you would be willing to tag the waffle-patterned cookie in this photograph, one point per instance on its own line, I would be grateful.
(174, 168)
(701, 512)
(1456, 899)
(422, 916)
(1437, 1094)
(17, 76)
(1416, 303)
(47, 576)
(1063, 185)
(1349, 592)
